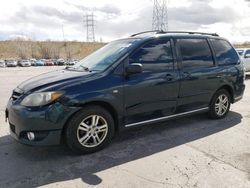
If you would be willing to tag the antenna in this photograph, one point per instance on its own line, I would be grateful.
(160, 15)
(89, 23)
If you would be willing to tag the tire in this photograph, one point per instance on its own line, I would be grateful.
(220, 104)
(89, 130)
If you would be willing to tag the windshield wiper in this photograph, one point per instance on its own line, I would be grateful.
(77, 68)
(68, 67)
(85, 68)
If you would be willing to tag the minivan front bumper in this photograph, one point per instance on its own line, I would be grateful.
(46, 123)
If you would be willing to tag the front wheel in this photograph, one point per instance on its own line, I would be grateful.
(220, 104)
(89, 130)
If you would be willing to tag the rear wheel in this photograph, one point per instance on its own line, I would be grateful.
(220, 104)
(90, 130)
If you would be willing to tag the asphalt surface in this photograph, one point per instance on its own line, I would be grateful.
(189, 152)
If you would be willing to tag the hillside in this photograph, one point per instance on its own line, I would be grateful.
(242, 45)
(53, 49)
(46, 49)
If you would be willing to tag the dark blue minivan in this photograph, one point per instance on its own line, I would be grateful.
(146, 78)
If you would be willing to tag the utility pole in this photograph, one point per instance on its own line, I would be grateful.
(89, 20)
(160, 15)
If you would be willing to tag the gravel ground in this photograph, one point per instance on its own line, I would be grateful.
(188, 152)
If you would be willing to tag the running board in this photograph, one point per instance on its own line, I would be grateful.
(166, 117)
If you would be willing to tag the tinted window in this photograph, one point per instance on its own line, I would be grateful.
(156, 54)
(224, 52)
(195, 53)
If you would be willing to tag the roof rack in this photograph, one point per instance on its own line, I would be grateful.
(165, 32)
(191, 33)
(140, 33)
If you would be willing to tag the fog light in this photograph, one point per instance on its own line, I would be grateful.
(31, 136)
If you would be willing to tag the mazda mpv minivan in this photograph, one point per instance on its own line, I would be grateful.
(146, 78)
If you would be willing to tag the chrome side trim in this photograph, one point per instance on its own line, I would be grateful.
(166, 117)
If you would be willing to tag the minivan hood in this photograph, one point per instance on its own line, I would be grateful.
(52, 78)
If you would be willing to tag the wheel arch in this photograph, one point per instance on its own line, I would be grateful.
(107, 106)
(230, 91)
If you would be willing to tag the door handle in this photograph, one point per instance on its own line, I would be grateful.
(169, 77)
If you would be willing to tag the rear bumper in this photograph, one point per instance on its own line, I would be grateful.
(45, 122)
(236, 99)
(238, 95)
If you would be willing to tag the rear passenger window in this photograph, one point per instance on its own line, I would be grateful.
(224, 52)
(195, 53)
(155, 55)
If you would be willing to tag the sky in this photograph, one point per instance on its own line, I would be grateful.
(63, 19)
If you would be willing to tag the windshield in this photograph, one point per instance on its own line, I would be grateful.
(240, 52)
(105, 56)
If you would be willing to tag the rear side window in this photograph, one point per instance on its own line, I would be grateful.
(156, 54)
(224, 52)
(195, 53)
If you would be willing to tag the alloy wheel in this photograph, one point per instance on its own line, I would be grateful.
(92, 131)
(221, 105)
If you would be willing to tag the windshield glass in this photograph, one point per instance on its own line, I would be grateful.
(240, 52)
(105, 56)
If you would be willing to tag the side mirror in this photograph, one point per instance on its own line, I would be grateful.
(134, 68)
(247, 56)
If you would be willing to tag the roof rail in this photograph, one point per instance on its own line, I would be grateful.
(153, 31)
(190, 32)
(165, 32)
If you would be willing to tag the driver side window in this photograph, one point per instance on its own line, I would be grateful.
(155, 55)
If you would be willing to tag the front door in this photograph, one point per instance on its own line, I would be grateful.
(153, 93)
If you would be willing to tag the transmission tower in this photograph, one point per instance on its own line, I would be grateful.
(89, 20)
(160, 15)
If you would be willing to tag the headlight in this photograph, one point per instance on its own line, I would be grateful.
(40, 99)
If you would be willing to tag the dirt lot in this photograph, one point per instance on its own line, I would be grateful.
(188, 152)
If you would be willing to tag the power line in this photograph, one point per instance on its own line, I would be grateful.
(89, 20)
(160, 15)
